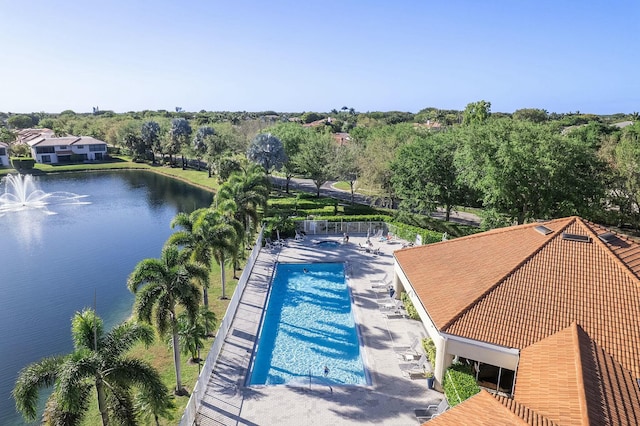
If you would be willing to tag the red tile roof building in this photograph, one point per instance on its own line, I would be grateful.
(564, 295)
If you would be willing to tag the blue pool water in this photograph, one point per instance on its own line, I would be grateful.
(308, 325)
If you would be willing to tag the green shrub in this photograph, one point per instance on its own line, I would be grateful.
(23, 163)
(408, 306)
(430, 349)
(409, 232)
(459, 384)
(426, 222)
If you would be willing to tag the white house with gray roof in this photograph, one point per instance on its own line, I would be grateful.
(67, 149)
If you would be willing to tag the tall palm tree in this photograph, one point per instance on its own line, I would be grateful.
(221, 235)
(249, 190)
(194, 242)
(160, 285)
(98, 361)
(229, 210)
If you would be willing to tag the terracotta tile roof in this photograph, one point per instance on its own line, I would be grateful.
(480, 409)
(571, 380)
(449, 277)
(515, 286)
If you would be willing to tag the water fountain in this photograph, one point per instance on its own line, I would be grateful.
(22, 193)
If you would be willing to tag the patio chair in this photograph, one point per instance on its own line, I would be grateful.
(299, 237)
(432, 411)
(409, 353)
(390, 304)
(419, 366)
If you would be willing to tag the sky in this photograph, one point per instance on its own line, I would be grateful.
(296, 56)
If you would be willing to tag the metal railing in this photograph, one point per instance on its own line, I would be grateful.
(191, 410)
(323, 227)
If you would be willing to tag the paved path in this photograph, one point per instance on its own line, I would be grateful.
(390, 398)
(328, 190)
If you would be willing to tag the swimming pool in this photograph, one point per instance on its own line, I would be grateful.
(308, 324)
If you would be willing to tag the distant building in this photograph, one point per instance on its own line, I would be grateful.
(4, 154)
(70, 149)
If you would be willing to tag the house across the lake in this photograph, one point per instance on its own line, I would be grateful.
(546, 315)
(48, 149)
(70, 149)
(4, 154)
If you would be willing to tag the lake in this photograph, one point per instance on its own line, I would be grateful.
(52, 266)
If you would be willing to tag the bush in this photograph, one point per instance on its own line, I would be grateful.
(23, 163)
(459, 384)
(409, 232)
(408, 306)
(430, 349)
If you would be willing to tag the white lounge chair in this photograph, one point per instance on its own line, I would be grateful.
(415, 367)
(432, 411)
(410, 351)
(299, 237)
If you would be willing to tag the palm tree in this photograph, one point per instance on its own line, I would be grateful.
(194, 242)
(220, 234)
(250, 191)
(191, 334)
(97, 361)
(160, 285)
(229, 210)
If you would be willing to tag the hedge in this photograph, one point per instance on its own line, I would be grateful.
(459, 384)
(430, 349)
(23, 163)
(408, 306)
(409, 232)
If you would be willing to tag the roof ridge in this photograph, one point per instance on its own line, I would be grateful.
(500, 281)
(582, 396)
(523, 411)
(586, 224)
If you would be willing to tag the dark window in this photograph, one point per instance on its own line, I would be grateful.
(46, 158)
(45, 150)
(3, 151)
(101, 147)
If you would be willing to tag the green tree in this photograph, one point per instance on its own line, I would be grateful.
(200, 142)
(99, 362)
(347, 164)
(220, 234)
(194, 242)
(476, 112)
(20, 121)
(150, 134)
(625, 185)
(293, 137)
(315, 158)
(179, 135)
(527, 171)
(160, 285)
(425, 176)
(249, 190)
(268, 151)
(534, 115)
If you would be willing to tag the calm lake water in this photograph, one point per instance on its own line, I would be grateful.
(51, 266)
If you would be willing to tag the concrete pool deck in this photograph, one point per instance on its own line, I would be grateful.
(390, 399)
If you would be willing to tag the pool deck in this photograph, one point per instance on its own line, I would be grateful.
(390, 399)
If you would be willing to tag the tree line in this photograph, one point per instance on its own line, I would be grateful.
(526, 165)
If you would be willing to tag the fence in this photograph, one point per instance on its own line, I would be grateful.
(190, 412)
(323, 227)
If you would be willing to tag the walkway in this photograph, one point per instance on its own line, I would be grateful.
(389, 400)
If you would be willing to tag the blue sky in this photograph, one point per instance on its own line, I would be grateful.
(294, 56)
